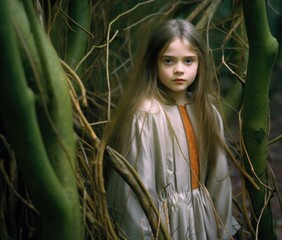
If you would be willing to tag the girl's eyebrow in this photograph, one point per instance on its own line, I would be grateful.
(188, 56)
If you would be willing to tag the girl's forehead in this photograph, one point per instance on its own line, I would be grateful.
(179, 44)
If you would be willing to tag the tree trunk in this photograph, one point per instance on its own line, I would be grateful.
(263, 49)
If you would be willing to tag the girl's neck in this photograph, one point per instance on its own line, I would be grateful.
(180, 99)
(182, 102)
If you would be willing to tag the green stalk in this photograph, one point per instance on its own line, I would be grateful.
(17, 104)
(263, 50)
(40, 131)
(79, 13)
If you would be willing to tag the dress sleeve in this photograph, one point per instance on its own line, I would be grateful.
(124, 205)
(219, 186)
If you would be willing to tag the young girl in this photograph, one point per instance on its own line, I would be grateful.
(172, 135)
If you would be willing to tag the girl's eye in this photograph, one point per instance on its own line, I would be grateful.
(167, 61)
(188, 61)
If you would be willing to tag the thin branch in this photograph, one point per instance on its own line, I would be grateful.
(242, 170)
(274, 140)
(108, 224)
(276, 188)
(143, 195)
(267, 200)
(78, 25)
(153, 15)
(92, 49)
(244, 207)
(108, 50)
(7, 180)
(208, 14)
(78, 81)
(231, 71)
(198, 10)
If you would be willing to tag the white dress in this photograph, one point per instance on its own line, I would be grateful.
(157, 148)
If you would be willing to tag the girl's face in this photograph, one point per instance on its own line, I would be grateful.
(177, 69)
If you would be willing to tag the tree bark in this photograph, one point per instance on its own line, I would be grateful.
(263, 50)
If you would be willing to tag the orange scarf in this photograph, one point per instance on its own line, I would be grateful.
(192, 145)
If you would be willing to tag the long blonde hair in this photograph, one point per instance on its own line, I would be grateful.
(144, 84)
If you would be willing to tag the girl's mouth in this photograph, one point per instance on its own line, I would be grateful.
(179, 80)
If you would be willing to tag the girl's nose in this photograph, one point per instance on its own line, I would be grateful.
(178, 69)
